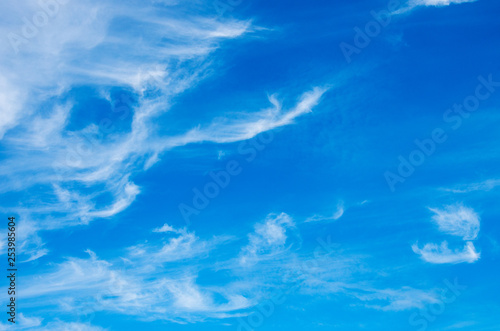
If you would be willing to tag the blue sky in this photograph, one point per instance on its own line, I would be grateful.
(246, 165)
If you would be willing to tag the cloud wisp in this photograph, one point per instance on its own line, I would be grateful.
(441, 254)
(457, 220)
(412, 4)
(339, 212)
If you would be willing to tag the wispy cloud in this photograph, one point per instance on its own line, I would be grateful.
(247, 125)
(144, 282)
(69, 326)
(29, 242)
(457, 220)
(23, 323)
(405, 298)
(486, 186)
(441, 254)
(268, 239)
(9, 111)
(460, 325)
(147, 282)
(34, 323)
(183, 246)
(171, 55)
(437, 2)
(412, 4)
(165, 229)
(336, 215)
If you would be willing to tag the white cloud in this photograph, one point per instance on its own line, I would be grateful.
(35, 324)
(246, 126)
(401, 299)
(74, 275)
(71, 326)
(412, 4)
(29, 322)
(148, 282)
(184, 246)
(461, 325)
(336, 215)
(79, 47)
(29, 242)
(23, 323)
(166, 228)
(9, 106)
(188, 295)
(442, 254)
(457, 220)
(437, 2)
(144, 283)
(268, 239)
(486, 185)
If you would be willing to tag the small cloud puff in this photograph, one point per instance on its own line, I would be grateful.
(166, 228)
(457, 220)
(268, 239)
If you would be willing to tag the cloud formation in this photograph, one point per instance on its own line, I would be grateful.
(441, 254)
(485, 186)
(437, 2)
(412, 4)
(147, 280)
(268, 239)
(336, 215)
(457, 220)
(84, 46)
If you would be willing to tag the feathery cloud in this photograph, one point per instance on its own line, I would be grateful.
(437, 2)
(486, 186)
(268, 239)
(441, 254)
(79, 47)
(457, 220)
(412, 4)
(336, 215)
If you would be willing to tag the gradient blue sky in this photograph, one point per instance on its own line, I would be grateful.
(252, 165)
